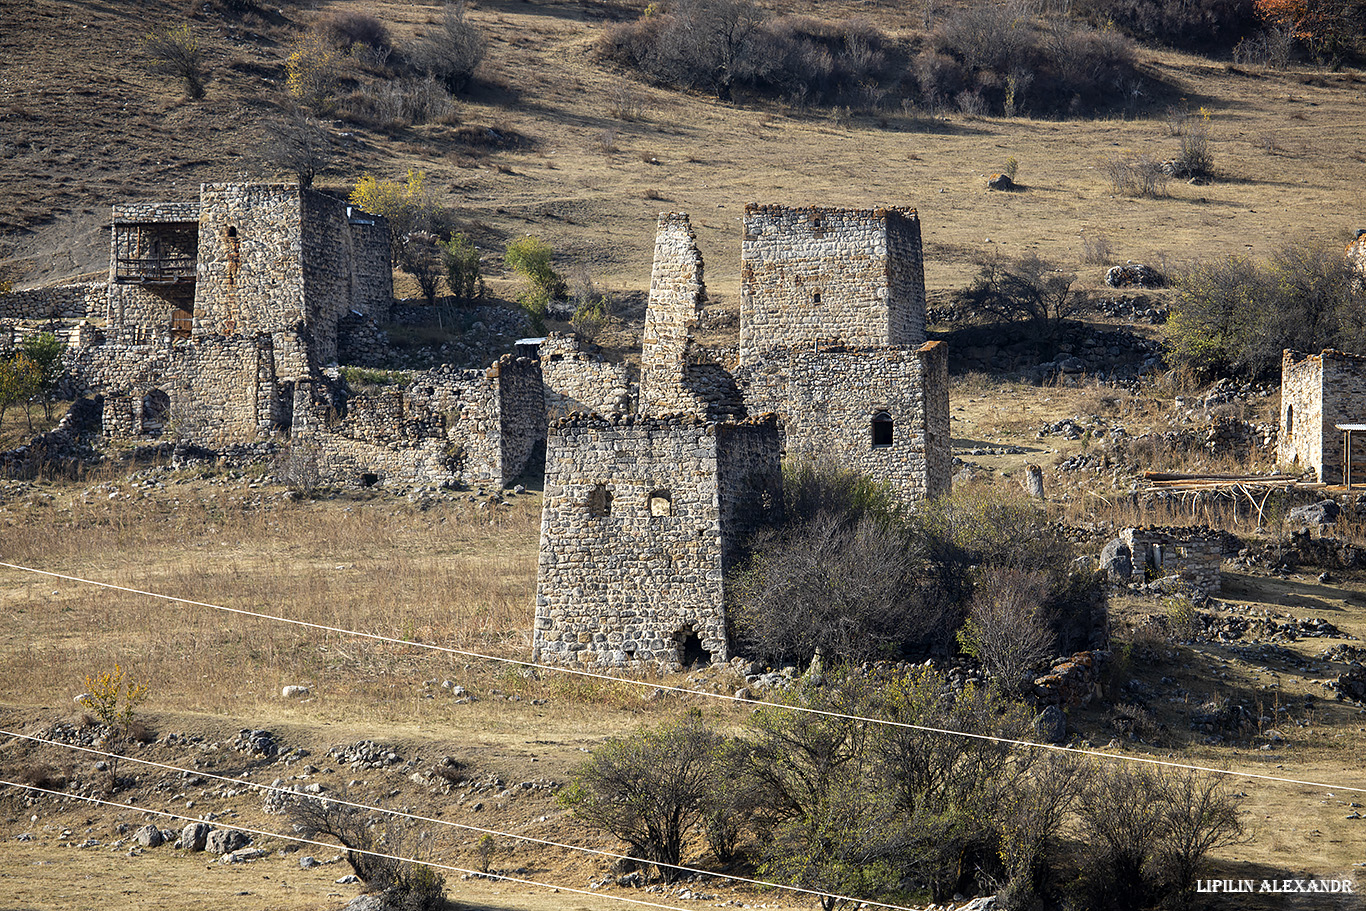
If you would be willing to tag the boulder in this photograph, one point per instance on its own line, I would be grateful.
(1050, 726)
(1352, 685)
(294, 692)
(1324, 512)
(1134, 274)
(194, 837)
(149, 837)
(225, 841)
(1116, 560)
(1000, 182)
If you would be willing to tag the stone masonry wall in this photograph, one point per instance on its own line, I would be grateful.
(1319, 392)
(87, 300)
(578, 380)
(677, 292)
(250, 275)
(220, 391)
(521, 414)
(846, 276)
(1300, 440)
(1193, 554)
(827, 402)
(372, 275)
(447, 425)
(632, 544)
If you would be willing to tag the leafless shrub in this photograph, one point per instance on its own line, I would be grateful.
(606, 142)
(1147, 834)
(406, 886)
(1134, 720)
(1096, 250)
(1272, 48)
(831, 584)
(1005, 629)
(298, 144)
(626, 104)
(971, 104)
(452, 50)
(177, 52)
(347, 28)
(395, 104)
(1136, 174)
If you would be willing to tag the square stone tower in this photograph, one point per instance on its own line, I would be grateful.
(642, 519)
(853, 277)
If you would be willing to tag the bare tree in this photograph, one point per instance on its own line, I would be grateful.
(1005, 629)
(299, 145)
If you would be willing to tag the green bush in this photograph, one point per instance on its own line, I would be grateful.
(530, 258)
(464, 274)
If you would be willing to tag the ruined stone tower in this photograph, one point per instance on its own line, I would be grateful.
(642, 519)
(677, 292)
(844, 276)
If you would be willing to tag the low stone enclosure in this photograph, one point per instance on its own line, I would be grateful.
(1141, 555)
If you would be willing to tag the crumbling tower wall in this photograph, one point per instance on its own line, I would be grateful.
(677, 292)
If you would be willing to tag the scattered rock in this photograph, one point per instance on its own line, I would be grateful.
(149, 837)
(246, 855)
(1001, 182)
(1324, 512)
(194, 837)
(295, 692)
(257, 743)
(307, 862)
(1050, 726)
(225, 841)
(1116, 560)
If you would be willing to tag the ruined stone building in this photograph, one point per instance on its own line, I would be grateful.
(221, 323)
(1318, 392)
(644, 516)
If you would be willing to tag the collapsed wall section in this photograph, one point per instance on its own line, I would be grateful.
(845, 276)
(883, 412)
(578, 379)
(446, 426)
(1192, 554)
(638, 523)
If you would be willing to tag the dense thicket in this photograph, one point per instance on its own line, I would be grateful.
(1233, 316)
(826, 802)
(985, 58)
(852, 575)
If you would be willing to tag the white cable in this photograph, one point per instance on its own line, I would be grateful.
(324, 844)
(445, 822)
(905, 725)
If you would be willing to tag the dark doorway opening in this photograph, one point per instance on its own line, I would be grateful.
(690, 650)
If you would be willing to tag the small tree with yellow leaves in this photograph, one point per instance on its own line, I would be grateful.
(408, 206)
(313, 71)
(113, 697)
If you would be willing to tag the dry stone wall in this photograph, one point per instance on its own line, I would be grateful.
(846, 276)
(446, 426)
(639, 522)
(677, 292)
(880, 411)
(87, 300)
(1193, 554)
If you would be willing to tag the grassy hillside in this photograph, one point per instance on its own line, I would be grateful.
(598, 153)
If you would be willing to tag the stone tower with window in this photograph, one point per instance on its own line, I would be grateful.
(642, 520)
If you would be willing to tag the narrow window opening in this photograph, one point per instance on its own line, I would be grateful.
(690, 650)
(882, 429)
(599, 502)
(369, 479)
(232, 232)
(661, 503)
(1290, 421)
(816, 298)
